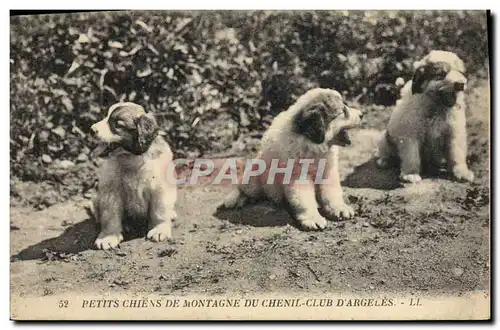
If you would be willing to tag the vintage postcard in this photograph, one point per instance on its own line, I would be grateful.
(250, 165)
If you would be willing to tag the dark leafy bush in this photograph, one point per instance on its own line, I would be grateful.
(211, 78)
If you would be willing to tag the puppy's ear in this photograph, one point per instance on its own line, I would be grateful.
(418, 80)
(147, 130)
(311, 124)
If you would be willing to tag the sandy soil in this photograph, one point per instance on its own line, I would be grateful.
(430, 237)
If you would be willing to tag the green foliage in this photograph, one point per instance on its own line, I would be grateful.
(210, 77)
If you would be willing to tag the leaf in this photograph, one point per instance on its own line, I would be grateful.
(46, 158)
(59, 92)
(131, 52)
(77, 81)
(78, 131)
(31, 142)
(153, 49)
(195, 121)
(244, 121)
(111, 90)
(144, 73)
(144, 25)
(43, 136)
(215, 104)
(101, 78)
(75, 65)
(181, 47)
(67, 103)
(132, 95)
(83, 39)
(182, 24)
(72, 31)
(59, 131)
(115, 44)
(170, 73)
(197, 77)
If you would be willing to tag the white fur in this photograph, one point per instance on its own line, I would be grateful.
(420, 129)
(137, 186)
(282, 142)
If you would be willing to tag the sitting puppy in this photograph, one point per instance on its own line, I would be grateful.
(312, 128)
(428, 126)
(133, 181)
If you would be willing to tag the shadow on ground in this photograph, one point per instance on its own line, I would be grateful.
(75, 239)
(258, 215)
(369, 175)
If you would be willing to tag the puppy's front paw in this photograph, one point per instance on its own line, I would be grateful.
(160, 232)
(340, 210)
(411, 178)
(462, 173)
(108, 242)
(312, 222)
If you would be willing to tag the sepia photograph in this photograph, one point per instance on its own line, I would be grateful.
(250, 165)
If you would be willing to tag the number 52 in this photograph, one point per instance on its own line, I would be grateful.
(63, 303)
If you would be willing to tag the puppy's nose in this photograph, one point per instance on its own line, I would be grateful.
(459, 86)
(361, 114)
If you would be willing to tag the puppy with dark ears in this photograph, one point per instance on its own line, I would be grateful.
(427, 128)
(313, 128)
(133, 180)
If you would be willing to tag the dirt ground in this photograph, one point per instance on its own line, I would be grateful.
(428, 237)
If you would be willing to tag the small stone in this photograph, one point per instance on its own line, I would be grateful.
(366, 224)
(121, 253)
(272, 276)
(457, 271)
(372, 287)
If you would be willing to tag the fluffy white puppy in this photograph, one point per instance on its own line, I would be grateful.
(313, 128)
(428, 125)
(133, 180)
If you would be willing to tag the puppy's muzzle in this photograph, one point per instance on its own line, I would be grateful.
(107, 142)
(353, 118)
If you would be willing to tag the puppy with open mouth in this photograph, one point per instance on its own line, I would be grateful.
(313, 128)
(427, 128)
(132, 181)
